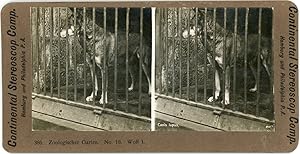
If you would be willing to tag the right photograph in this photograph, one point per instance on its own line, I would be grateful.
(214, 69)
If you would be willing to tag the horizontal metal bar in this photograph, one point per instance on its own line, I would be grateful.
(91, 107)
(213, 108)
(68, 123)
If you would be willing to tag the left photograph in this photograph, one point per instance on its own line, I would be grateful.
(91, 69)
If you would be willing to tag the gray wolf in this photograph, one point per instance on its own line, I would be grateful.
(105, 44)
(221, 65)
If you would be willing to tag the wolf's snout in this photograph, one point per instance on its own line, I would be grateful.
(191, 32)
(63, 32)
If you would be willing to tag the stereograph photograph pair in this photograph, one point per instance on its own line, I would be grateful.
(150, 76)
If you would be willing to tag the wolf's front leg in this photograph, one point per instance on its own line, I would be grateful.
(132, 78)
(254, 89)
(95, 89)
(104, 84)
(146, 71)
(217, 86)
(227, 86)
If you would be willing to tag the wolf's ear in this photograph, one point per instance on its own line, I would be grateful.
(71, 9)
(201, 12)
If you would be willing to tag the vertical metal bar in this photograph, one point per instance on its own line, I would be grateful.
(67, 55)
(196, 56)
(164, 74)
(116, 60)
(214, 52)
(38, 49)
(173, 54)
(32, 50)
(44, 49)
(51, 52)
(140, 62)
(272, 61)
(104, 81)
(161, 49)
(188, 56)
(167, 50)
(245, 60)
(84, 53)
(205, 56)
(224, 52)
(59, 52)
(126, 77)
(180, 50)
(235, 55)
(94, 50)
(258, 62)
(158, 53)
(75, 53)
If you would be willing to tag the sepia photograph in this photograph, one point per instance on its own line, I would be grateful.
(214, 69)
(150, 76)
(91, 68)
